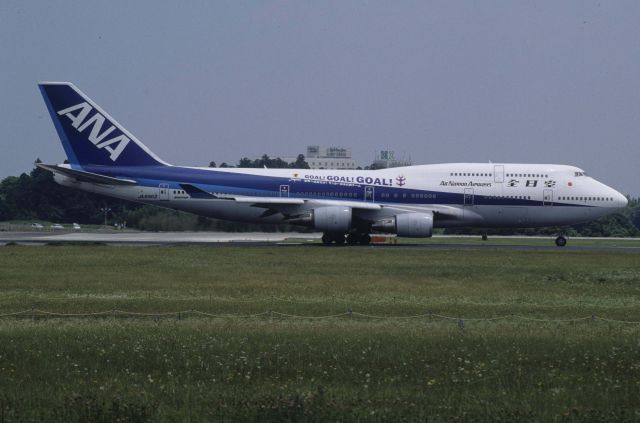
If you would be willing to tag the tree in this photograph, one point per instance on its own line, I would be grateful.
(300, 163)
(38, 196)
(5, 212)
(212, 164)
(376, 166)
(277, 163)
(245, 162)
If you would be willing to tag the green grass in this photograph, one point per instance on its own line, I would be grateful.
(25, 226)
(343, 368)
(523, 241)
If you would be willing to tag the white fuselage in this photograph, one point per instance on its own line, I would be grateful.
(459, 194)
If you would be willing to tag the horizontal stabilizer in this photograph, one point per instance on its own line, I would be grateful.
(83, 176)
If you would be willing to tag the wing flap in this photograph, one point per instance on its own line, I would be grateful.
(270, 202)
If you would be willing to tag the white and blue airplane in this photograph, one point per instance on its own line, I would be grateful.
(346, 205)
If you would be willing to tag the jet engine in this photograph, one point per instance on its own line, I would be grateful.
(332, 219)
(413, 225)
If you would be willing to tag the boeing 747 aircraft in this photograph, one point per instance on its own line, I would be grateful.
(346, 205)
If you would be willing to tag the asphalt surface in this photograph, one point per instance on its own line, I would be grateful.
(279, 239)
(152, 238)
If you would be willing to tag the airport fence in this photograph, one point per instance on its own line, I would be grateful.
(272, 300)
(35, 313)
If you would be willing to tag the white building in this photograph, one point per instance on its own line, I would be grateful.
(386, 159)
(327, 157)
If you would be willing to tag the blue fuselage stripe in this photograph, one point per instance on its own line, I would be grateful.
(270, 186)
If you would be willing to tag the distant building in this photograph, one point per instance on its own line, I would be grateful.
(327, 157)
(386, 158)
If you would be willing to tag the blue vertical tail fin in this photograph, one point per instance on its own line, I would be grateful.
(88, 134)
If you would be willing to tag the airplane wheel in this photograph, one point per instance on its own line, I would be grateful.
(365, 239)
(326, 239)
(561, 241)
(352, 239)
(338, 239)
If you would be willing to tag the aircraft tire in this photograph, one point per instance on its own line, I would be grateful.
(338, 239)
(561, 241)
(365, 239)
(326, 239)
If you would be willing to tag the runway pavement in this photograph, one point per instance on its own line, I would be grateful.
(153, 238)
(294, 238)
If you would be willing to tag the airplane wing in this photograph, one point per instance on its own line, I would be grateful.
(288, 204)
(440, 211)
(268, 201)
(273, 202)
(195, 192)
(83, 176)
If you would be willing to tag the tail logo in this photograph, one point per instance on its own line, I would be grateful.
(81, 121)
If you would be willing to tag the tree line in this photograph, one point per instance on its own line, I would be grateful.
(36, 196)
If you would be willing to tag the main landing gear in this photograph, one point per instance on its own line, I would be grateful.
(361, 239)
(561, 241)
(329, 238)
(351, 239)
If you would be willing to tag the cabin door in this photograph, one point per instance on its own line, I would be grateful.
(284, 190)
(498, 174)
(468, 197)
(163, 193)
(368, 193)
(547, 197)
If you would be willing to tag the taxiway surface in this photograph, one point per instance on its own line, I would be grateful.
(280, 238)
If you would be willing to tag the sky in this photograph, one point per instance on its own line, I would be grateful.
(439, 81)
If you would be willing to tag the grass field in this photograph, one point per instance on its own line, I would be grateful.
(529, 365)
(523, 241)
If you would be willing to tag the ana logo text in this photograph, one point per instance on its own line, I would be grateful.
(115, 146)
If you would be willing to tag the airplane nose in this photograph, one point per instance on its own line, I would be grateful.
(620, 200)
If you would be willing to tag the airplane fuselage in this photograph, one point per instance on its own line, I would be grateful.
(461, 194)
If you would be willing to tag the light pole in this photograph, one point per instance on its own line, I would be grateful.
(106, 211)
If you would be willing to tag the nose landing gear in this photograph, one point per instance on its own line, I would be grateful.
(561, 241)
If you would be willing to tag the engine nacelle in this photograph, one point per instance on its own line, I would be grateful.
(412, 225)
(332, 219)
